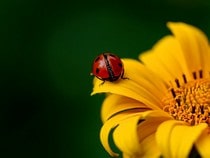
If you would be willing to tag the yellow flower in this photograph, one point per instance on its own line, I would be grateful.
(163, 109)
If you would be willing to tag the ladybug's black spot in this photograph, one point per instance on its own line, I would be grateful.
(120, 64)
(97, 70)
(97, 59)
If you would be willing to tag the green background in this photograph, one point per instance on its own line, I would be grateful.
(47, 48)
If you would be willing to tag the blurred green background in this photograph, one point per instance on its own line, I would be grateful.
(47, 49)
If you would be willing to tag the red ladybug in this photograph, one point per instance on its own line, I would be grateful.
(108, 67)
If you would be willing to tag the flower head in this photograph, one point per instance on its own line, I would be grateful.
(163, 109)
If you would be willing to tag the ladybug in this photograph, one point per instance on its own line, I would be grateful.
(108, 67)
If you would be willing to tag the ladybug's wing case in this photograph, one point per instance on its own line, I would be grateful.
(108, 67)
(100, 68)
(116, 65)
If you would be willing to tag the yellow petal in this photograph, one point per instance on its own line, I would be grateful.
(109, 126)
(131, 135)
(147, 130)
(126, 137)
(142, 85)
(115, 104)
(151, 122)
(203, 144)
(126, 156)
(194, 44)
(150, 147)
(166, 59)
(176, 139)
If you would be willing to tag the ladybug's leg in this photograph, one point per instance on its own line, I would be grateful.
(102, 83)
(122, 76)
(101, 80)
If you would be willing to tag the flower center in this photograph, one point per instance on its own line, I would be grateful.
(189, 102)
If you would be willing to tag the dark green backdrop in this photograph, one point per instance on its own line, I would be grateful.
(47, 48)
